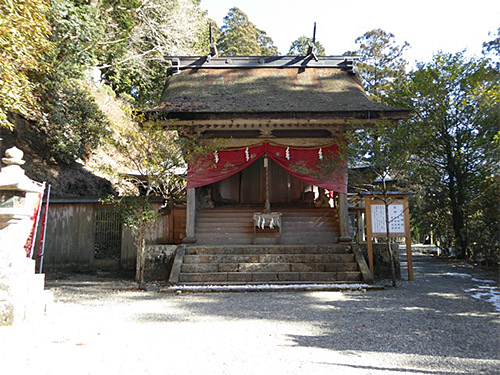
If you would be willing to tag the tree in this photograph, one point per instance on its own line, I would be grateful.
(381, 61)
(453, 128)
(162, 28)
(267, 47)
(301, 44)
(157, 158)
(383, 150)
(24, 42)
(240, 37)
(493, 46)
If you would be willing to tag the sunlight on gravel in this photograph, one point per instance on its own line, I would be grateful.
(431, 326)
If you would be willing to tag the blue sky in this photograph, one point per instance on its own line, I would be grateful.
(428, 25)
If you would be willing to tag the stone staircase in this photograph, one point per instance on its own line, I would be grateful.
(235, 227)
(254, 264)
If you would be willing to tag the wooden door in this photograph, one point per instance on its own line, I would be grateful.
(177, 225)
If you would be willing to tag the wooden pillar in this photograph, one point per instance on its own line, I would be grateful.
(361, 227)
(190, 216)
(368, 221)
(344, 218)
(267, 204)
(409, 260)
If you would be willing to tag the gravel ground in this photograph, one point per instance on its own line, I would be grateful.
(99, 325)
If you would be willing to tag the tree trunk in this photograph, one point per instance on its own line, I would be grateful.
(140, 243)
(457, 214)
(388, 239)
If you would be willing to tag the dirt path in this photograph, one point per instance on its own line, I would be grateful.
(97, 325)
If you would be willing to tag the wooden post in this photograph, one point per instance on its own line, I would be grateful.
(409, 261)
(360, 227)
(368, 220)
(268, 202)
(344, 218)
(190, 216)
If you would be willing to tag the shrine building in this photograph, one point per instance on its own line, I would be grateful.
(274, 183)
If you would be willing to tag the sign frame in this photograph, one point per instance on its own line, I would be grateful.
(373, 199)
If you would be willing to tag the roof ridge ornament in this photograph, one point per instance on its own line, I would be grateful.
(311, 48)
(213, 47)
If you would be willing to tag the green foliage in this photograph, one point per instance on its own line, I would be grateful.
(133, 211)
(202, 46)
(156, 156)
(452, 131)
(301, 44)
(240, 37)
(157, 159)
(24, 33)
(493, 46)
(381, 61)
(73, 124)
(383, 151)
(266, 44)
(76, 30)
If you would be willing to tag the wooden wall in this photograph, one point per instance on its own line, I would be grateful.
(70, 238)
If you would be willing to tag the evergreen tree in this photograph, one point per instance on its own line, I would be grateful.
(267, 47)
(240, 37)
(454, 140)
(301, 44)
(381, 61)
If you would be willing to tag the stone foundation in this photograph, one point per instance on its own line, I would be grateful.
(159, 261)
(381, 263)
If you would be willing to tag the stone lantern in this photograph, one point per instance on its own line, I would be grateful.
(21, 290)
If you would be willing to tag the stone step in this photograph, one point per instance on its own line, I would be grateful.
(320, 249)
(231, 232)
(268, 267)
(223, 277)
(270, 258)
(271, 240)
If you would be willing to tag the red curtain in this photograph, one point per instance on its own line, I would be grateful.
(319, 166)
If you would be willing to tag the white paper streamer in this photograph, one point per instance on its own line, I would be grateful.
(216, 154)
(247, 155)
(287, 153)
(320, 154)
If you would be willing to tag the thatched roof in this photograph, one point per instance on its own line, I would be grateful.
(268, 92)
